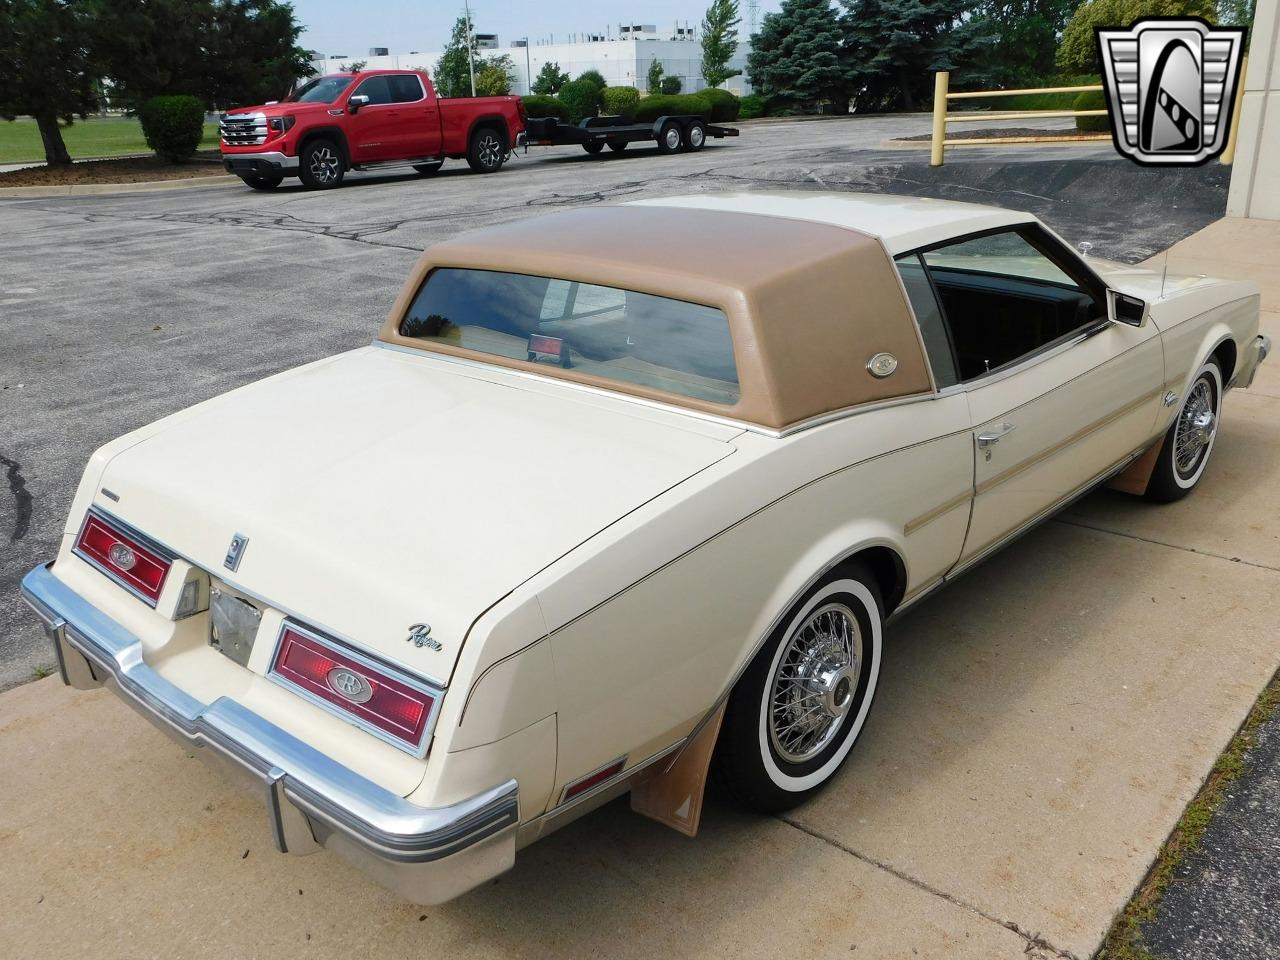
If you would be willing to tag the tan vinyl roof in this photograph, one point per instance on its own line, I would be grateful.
(808, 303)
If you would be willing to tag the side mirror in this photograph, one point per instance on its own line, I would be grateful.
(1122, 308)
(356, 102)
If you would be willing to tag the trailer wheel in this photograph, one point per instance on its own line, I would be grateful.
(487, 152)
(669, 138)
(695, 136)
(593, 147)
(617, 146)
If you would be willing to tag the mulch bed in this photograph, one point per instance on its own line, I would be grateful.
(1006, 132)
(123, 170)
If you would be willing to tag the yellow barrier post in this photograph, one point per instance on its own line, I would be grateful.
(940, 81)
(1229, 154)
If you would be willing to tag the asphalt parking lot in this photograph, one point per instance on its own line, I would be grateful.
(1042, 725)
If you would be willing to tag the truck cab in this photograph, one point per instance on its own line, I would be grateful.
(360, 120)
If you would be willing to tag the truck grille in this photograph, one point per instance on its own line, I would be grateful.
(243, 129)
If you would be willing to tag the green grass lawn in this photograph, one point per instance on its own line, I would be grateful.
(96, 137)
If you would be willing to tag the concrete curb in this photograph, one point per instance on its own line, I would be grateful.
(90, 189)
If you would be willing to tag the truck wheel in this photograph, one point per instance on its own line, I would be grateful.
(695, 136)
(320, 165)
(428, 169)
(617, 146)
(593, 147)
(262, 181)
(487, 152)
(669, 138)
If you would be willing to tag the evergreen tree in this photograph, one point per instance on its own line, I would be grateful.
(549, 80)
(795, 58)
(719, 41)
(1019, 39)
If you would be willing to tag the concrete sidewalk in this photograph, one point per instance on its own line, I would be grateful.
(1041, 725)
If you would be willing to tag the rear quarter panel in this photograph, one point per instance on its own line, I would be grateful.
(458, 117)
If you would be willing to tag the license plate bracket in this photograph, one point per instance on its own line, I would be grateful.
(233, 624)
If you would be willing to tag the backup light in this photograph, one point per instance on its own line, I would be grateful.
(124, 555)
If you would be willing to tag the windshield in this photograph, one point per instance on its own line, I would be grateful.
(623, 335)
(320, 90)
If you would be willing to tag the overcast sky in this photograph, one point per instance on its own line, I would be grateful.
(339, 27)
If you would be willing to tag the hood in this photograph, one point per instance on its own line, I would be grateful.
(1147, 283)
(380, 489)
(278, 108)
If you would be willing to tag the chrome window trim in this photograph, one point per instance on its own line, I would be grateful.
(133, 533)
(436, 694)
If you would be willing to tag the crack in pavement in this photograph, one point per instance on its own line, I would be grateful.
(1037, 946)
(22, 498)
(1163, 543)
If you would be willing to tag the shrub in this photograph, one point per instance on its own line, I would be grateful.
(594, 76)
(581, 98)
(651, 108)
(670, 86)
(1091, 100)
(724, 105)
(536, 106)
(751, 106)
(621, 101)
(173, 126)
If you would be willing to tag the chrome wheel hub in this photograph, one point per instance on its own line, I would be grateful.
(814, 683)
(324, 165)
(673, 138)
(1197, 424)
(490, 150)
(696, 136)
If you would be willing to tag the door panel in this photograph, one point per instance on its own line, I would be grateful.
(1059, 422)
(418, 134)
(372, 130)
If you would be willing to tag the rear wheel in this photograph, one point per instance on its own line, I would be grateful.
(593, 147)
(262, 181)
(695, 136)
(669, 138)
(617, 146)
(1184, 454)
(428, 169)
(320, 165)
(487, 152)
(800, 706)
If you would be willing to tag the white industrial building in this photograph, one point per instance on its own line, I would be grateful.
(622, 55)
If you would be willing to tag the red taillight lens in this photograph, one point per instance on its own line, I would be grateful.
(354, 686)
(594, 779)
(124, 557)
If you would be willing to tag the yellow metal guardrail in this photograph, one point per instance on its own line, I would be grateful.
(941, 117)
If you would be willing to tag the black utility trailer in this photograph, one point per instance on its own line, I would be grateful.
(672, 133)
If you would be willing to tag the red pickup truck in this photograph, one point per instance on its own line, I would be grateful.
(355, 121)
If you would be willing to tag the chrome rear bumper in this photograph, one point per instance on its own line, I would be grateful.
(425, 855)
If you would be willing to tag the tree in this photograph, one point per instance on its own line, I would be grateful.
(1079, 52)
(45, 67)
(355, 66)
(549, 80)
(594, 77)
(654, 82)
(453, 72)
(719, 41)
(251, 53)
(1019, 39)
(495, 77)
(893, 47)
(795, 58)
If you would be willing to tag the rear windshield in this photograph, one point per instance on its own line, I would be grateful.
(622, 335)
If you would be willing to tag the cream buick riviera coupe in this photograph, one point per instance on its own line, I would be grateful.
(615, 494)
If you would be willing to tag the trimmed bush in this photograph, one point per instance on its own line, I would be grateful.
(752, 106)
(724, 105)
(594, 76)
(1091, 100)
(173, 126)
(670, 86)
(581, 98)
(537, 106)
(651, 108)
(621, 101)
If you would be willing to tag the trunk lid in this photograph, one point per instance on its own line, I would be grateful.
(380, 489)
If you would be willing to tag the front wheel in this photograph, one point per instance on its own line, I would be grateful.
(320, 165)
(800, 706)
(262, 181)
(1186, 448)
(487, 152)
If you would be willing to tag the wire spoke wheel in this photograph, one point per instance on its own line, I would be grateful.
(1197, 424)
(814, 683)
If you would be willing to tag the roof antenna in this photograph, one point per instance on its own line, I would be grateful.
(1164, 272)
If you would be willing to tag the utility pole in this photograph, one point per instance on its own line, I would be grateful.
(471, 47)
(528, 70)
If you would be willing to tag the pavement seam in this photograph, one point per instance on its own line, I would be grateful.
(1163, 543)
(1037, 945)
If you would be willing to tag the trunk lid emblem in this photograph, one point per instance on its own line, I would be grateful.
(420, 636)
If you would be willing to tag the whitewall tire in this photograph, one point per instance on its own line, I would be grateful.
(1185, 450)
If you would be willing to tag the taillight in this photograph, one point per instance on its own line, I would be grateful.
(393, 708)
(124, 555)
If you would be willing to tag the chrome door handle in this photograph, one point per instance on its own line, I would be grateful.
(994, 434)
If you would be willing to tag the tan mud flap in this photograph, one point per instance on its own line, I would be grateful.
(673, 795)
(1135, 477)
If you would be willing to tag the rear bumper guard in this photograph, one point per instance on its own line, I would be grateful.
(426, 855)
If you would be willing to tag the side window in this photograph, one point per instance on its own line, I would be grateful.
(1004, 297)
(376, 89)
(937, 343)
(405, 89)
